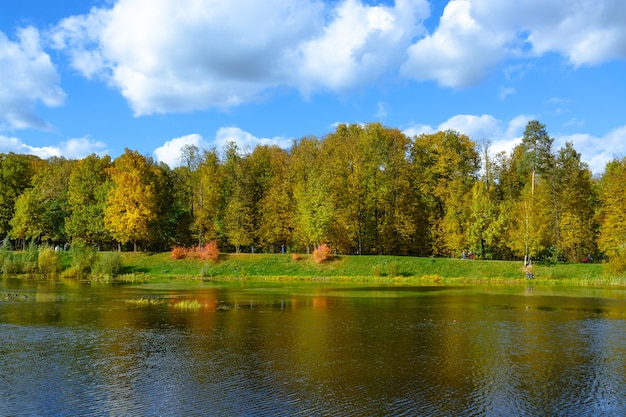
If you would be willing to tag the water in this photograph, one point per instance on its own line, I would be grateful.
(285, 350)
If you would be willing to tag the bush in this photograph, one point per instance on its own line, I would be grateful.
(49, 261)
(377, 270)
(12, 265)
(393, 269)
(210, 251)
(108, 263)
(616, 265)
(178, 252)
(30, 258)
(83, 258)
(323, 253)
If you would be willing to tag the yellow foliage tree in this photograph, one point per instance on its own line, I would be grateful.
(132, 202)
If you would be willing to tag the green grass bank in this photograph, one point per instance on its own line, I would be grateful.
(391, 269)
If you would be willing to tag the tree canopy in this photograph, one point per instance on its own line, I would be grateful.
(362, 189)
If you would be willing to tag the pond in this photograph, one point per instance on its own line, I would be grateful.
(311, 349)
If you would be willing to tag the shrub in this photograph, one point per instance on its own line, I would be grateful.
(393, 269)
(211, 251)
(178, 252)
(108, 263)
(616, 265)
(30, 259)
(49, 261)
(12, 265)
(322, 253)
(295, 257)
(83, 258)
(377, 270)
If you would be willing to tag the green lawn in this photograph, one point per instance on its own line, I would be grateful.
(360, 268)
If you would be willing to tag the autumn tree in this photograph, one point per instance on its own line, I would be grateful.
(275, 204)
(313, 213)
(132, 202)
(445, 167)
(209, 200)
(238, 223)
(612, 239)
(577, 200)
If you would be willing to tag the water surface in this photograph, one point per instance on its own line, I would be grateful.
(323, 349)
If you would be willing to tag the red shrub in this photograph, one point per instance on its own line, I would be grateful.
(211, 251)
(178, 252)
(322, 253)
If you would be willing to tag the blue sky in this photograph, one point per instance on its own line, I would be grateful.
(96, 76)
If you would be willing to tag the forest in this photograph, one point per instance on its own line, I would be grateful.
(362, 189)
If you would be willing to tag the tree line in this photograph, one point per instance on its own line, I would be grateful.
(362, 189)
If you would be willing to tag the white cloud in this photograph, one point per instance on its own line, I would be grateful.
(474, 36)
(416, 129)
(360, 43)
(477, 128)
(505, 92)
(247, 141)
(170, 56)
(27, 78)
(170, 151)
(175, 57)
(72, 149)
(459, 52)
(597, 151)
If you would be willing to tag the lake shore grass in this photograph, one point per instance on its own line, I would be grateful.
(157, 267)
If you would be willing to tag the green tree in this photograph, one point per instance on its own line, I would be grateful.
(89, 184)
(16, 172)
(42, 211)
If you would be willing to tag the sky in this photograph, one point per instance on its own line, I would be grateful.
(97, 76)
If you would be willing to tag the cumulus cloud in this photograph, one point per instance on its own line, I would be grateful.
(474, 36)
(28, 78)
(170, 56)
(170, 151)
(504, 136)
(247, 141)
(72, 149)
(597, 151)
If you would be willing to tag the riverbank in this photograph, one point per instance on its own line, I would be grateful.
(383, 269)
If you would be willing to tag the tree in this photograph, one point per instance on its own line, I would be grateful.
(238, 226)
(209, 201)
(16, 172)
(612, 239)
(445, 167)
(89, 184)
(313, 214)
(41, 210)
(132, 202)
(275, 206)
(538, 159)
(578, 200)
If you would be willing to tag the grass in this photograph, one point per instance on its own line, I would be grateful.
(278, 267)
